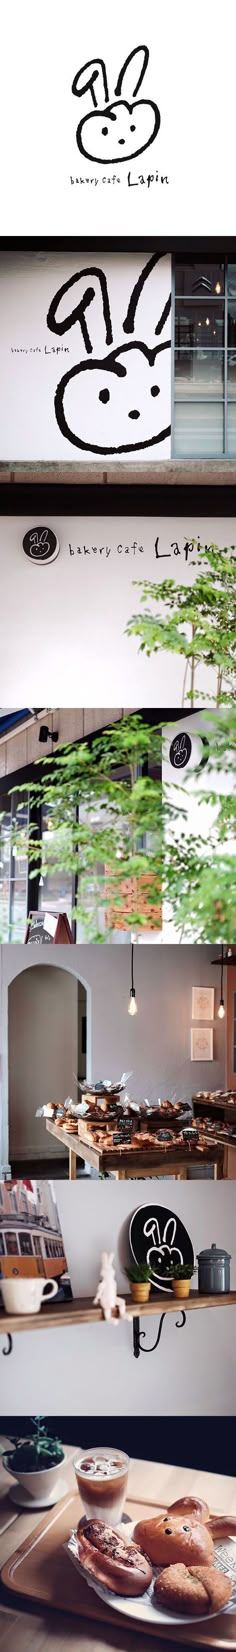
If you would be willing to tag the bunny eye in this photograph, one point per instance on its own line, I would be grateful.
(104, 395)
(134, 413)
(104, 131)
(133, 128)
(155, 390)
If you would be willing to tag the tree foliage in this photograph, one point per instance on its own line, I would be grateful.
(197, 622)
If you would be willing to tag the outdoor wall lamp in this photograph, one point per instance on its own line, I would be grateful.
(132, 1005)
(46, 733)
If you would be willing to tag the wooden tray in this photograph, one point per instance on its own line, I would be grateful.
(41, 1571)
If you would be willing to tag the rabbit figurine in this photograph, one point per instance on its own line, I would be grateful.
(106, 1294)
(161, 1251)
(119, 403)
(121, 130)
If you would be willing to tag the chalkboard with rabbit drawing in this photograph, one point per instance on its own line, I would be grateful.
(121, 130)
(158, 1236)
(117, 402)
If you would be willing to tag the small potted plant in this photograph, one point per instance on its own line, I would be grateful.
(140, 1280)
(180, 1275)
(34, 1462)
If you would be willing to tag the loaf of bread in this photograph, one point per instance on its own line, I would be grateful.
(196, 1590)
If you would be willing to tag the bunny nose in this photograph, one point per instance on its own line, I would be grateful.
(134, 413)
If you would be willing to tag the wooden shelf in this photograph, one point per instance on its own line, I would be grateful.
(83, 1312)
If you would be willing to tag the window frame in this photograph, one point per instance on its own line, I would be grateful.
(225, 401)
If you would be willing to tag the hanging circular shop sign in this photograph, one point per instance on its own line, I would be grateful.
(41, 545)
(180, 751)
(157, 1236)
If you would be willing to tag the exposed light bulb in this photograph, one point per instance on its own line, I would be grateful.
(218, 287)
(207, 321)
(221, 1010)
(132, 1006)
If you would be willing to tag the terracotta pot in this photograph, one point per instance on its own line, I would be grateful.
(181, 1287)
(140, 1292)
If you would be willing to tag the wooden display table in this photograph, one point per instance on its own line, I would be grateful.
(44, 1604)
(130, 1164)
(202, 1106)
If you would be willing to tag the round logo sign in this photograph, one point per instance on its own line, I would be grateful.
(158, 1237)
(41, 545)
(180, 751)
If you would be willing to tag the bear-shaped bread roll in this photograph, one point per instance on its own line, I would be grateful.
(196, 1590)
(192, 1507)
(170, 1539)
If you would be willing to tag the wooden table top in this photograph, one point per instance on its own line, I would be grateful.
(146, 1157)
(31, 1630)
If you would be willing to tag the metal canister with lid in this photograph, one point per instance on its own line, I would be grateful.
(213, 1271)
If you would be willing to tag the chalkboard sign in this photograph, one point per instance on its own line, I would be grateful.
(180, 751)
(41, 545)
(157, 1236)
(45, 928)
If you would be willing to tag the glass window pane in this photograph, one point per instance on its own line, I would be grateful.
(231, 430)
(199, 324)
(232, 305)
(199, 373)
(199, 279)
(5, 856)
(198, 430)
(231, 373)
(55, 887)
(19, 870)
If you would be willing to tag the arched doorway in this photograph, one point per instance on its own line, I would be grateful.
(47, 1022)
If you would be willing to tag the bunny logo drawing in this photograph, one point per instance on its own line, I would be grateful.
(118, 402)
(159, 1238)
(118, 131)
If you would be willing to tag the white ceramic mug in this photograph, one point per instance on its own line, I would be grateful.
(24, 1296)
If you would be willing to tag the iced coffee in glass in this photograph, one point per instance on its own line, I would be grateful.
(102, 1477)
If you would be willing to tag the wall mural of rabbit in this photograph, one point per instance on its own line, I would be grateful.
(121, 130)
(121, 402)
(157, 1236)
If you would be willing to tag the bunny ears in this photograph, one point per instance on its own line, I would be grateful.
(92, 77)
(61, 323)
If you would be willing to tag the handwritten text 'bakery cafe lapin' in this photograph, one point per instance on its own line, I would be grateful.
(133, 180)
(134, 549)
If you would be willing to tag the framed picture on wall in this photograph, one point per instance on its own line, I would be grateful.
(201, 1043)
(203, 1003)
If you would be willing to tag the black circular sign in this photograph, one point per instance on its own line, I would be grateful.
(158, 1236)
(180, 751)
(41, 545)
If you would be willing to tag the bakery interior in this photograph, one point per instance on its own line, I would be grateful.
(118, 1061)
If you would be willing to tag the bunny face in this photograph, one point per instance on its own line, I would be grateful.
(119, 132)
(119, 407)
(117, 402)
(160, 1254)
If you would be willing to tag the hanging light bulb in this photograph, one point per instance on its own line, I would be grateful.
(221, 1010)
(132, 1005)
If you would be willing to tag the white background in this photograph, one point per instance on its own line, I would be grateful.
(62, 627)
(90, 1370)
(28, 425)
(191, 75)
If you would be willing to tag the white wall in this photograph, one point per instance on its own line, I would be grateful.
(85, 654)
(155, 1044)
(91, 1369)
(43, 1052)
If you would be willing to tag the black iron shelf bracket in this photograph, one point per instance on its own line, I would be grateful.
(138, 1336)
(9, 1347)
